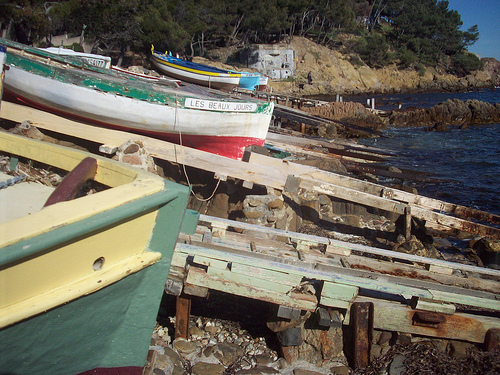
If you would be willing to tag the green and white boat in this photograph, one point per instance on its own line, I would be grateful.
(81, 279)
(194, 116)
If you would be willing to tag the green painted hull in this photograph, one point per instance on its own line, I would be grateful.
(107, 328)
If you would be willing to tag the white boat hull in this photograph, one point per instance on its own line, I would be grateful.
(209, 125)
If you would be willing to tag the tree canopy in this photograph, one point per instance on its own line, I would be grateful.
(400, 31)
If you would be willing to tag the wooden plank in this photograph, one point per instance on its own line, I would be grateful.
(211, 262)
(459, 326)
(250, 281)
(390, 285)
(411, 271)
(432, 306)
(255, 172)
(294, 300)
(440, 269)
(353, 246)
(390, 205)
(336, 303)
(339, 291)
(269, 275)
(160, 149)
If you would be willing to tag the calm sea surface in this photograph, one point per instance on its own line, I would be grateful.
(465, 162)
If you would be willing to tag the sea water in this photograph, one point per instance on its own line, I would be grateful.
(463, 163)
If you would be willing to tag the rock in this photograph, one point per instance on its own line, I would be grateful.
(384, 338)
(259, 370)
(219, 206)
(133, 152)
(450, 112)
(300, 371)
(397, 367)
(227, 353)
(340, 370)
(459, 349)
(170, 362)
(290, 336)
(185, 347)
(202, 368)
(488, 251)
(310, 211)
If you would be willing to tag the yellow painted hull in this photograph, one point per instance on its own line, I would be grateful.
(87, 246)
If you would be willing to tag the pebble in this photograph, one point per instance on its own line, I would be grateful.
(218, 347)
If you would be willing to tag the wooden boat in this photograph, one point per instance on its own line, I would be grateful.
(104, 62)
(249, 81)
(81, 280)
(199, 74)
(205, 119)
(262, 83)
(90, 58)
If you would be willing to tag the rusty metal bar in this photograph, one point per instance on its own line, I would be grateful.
(182, 313)
(361, 318)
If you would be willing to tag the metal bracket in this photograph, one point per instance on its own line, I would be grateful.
(288, 312)
(387, 193)
(292, 184)
(400, 208)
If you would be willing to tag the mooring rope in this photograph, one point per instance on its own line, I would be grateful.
(184, 165)
(11, 181)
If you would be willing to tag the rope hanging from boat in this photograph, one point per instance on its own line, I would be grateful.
(184, 165)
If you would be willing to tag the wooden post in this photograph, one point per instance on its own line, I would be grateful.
(182, 313)
(407, 230)
(361, 315)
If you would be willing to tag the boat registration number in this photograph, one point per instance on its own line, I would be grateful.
(214, 105)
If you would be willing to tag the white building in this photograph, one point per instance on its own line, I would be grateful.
(275, 61)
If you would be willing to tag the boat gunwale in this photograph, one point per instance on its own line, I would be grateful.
(135, 188)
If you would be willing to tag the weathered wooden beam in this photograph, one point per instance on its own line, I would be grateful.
(298, 170)
(350, 246)
(391, 205)
(199, 277)
(259, 173)
(368, 282)
(159, 149)
(459, 326)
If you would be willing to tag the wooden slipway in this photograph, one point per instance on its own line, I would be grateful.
(305, 272)
(301, 272)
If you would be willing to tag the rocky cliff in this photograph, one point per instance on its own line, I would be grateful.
(334, 73)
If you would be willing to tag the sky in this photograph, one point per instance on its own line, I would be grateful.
(486, 15)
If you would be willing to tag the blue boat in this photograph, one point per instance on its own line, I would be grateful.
(249, 81)
(199, 74)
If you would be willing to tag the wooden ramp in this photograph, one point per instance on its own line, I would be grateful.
(276, 173)
(304, 272)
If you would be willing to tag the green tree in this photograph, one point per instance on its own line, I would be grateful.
(26, 21)
(427, 29)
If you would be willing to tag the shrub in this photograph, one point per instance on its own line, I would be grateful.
(465, 63)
